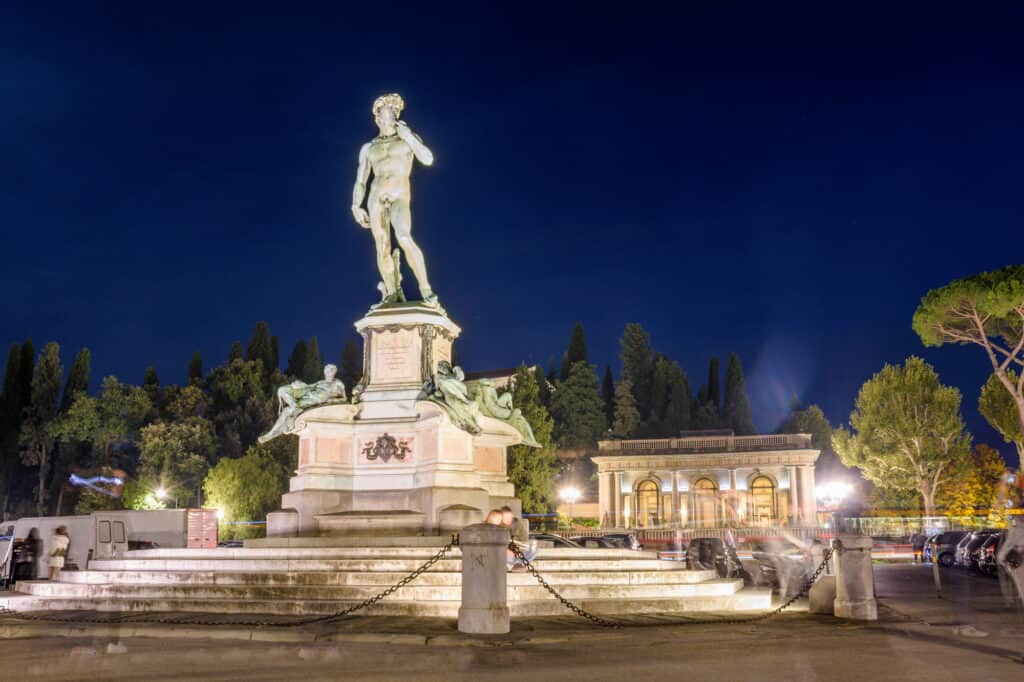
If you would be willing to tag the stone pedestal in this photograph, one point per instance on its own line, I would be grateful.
(484, 609)
(855, 580)
(394, 463)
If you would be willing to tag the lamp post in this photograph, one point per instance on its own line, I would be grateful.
(570, 495)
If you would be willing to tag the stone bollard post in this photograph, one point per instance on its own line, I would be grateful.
(855, 580)
(484, 609)
(822, 594)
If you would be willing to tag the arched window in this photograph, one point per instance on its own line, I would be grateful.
(647, 504)
(704, 503)
(762, 494)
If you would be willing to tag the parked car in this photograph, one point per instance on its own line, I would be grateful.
(595, 542)
(714, 554)
(557, 540)
(967, 549)
(986, 556)
(941, 547)
(624, 540)
(786, 568)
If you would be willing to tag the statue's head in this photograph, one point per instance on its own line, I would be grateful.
(387, 109)
(444, 368)
(330, 371)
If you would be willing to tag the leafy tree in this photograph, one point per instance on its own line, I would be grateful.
(236, 351)
(140, 497)
(313, 368)
(979, 484)
(244, 489)
(578, 410)
(736, 407)
(151, 385)
(261, 347)
(812, 420)
(608, 394)
(577, 351)
(195, 368)
(627, 418)
(36, 436)
(351, 367)
(275, 354)
(638, 365)
(986, 310)
(176, 456)
(183, 402)
(12, 404)
(532, 470)
(107, 421)
(997, 406)
(78, 379)
(907, 431)
(714, 386)
(240, 407)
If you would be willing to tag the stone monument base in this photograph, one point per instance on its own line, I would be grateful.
(395, 462)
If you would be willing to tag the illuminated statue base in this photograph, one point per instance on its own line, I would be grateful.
(394, 463)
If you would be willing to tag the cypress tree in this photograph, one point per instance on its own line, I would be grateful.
(11, 400)
(714, 384)
(677, 413)
(261, 347)
(660, 378)
(351, 367)
(577, 345)
(297, 360)
(78, 379)
(736, 409)
(578, 410)
(195, 368)
(26, 368)
(151, 385)
(563, 369)
(275, 354)
(10, 418)
(313, 368)
(551, 373)
(638, 365)
(543, 388)
(627, 418)
(608, 394)
(36, 437)
(236, 351)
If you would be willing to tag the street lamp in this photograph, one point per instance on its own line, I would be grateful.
(570, 495)
(161, 493)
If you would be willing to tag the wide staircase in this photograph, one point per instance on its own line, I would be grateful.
(291, 579)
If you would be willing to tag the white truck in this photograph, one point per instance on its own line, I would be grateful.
(99, 535)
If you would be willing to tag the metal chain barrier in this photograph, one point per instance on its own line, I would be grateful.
(115, 618)
(604, 622)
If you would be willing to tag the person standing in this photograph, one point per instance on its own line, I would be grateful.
(917, 541)
(58, 550)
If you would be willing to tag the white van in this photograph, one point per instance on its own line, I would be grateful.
(100, 535)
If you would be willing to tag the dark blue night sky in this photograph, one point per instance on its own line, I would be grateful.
(781, 180)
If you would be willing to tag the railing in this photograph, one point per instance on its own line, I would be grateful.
(699, 444)
(666, 536)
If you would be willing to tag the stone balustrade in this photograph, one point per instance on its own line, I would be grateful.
(702, 444)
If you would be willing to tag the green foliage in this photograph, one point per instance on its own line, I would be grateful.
(812, 420)
(244, 489)
(26, 370)
(140, 497)
(578, 410)
(532, 470)
(195, 368)
(78, 379)
(175, 456)
(907, 431)
(543, 387)
(37, 429)
(261, 348)
(350, 371)
(986, 310)
(275, 354)
(736, 407)
(107, 421)
(997, 406)
(297, 360)
(978, 485)
(577, 351)
(638, 364)
(627, 418)
(90, 501)
(313, 367)
(181, 402)
(236, 351)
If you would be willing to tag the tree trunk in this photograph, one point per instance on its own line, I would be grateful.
(41, 499)
(928, 496)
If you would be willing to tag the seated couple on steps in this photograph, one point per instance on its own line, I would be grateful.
(520, 531)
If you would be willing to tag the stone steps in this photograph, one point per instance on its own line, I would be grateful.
(542, 562)
(413, 593)
(375, 578)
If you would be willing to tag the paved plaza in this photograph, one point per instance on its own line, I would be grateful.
(971, 634)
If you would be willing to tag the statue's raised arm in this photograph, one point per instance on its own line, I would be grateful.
(389, 158)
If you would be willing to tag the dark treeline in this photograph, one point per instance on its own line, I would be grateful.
(154, 436)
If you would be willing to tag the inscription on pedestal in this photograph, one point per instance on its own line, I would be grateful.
(395, 356)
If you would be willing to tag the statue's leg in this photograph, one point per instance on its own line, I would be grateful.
(382, 242)
(401, 220)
